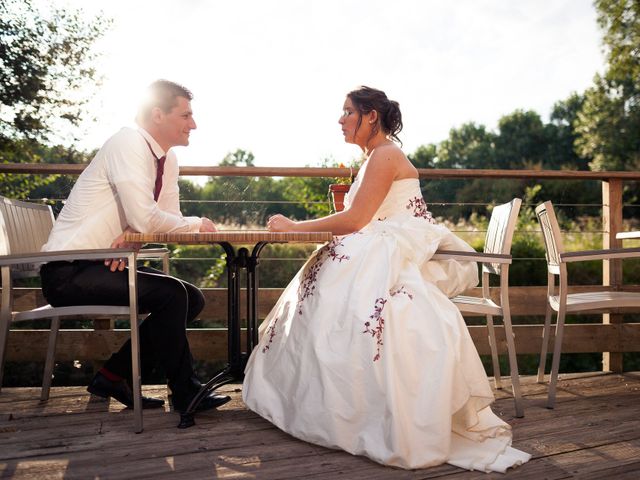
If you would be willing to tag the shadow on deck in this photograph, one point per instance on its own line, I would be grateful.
(593, 433)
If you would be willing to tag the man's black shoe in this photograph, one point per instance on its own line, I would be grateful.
(120, 390)
(210, 401)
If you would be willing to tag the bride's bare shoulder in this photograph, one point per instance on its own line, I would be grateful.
(389, 151)
(392, 157)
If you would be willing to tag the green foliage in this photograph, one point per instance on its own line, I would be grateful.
(20, 186)
(46, 59)
(239, 158)
(239, 200)
(469, 146)
(609, 121)
(37, 186)
(311, 193)
(561, 135)
(202, 265)
(280, 262)
(523, 141)
(251, 200)
(425, 156)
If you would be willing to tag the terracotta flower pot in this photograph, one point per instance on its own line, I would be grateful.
(337, 191)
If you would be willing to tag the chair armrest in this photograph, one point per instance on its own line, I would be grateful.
(156, 254)
(609, 254)
(627, 235)
(472, 256)
(153, 252)
(68, 255)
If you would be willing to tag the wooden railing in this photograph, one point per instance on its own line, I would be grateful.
(613, 337)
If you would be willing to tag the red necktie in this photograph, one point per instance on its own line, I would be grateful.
(159, 172)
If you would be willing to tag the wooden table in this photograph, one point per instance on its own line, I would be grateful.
(237, 259)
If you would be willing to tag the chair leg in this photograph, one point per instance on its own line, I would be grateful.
(555, 364)
(546, 333)
(135, 373)
(5, 316)
(494, 352)
(513, 366)
(50, 361)
(5, 322)
(135, 344)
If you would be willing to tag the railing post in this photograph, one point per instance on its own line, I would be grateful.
(612, 269)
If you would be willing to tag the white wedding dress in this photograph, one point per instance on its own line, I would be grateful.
(365, 352)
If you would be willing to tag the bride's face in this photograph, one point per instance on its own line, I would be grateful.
(352, 128)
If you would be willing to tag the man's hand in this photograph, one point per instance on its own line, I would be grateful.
(207, 225)
(280, 223)
(119, 263)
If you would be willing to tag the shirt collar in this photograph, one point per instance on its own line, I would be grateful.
(154, 145)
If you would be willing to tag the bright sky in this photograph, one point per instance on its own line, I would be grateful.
(270, 76)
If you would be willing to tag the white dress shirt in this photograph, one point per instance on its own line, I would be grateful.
(115, 191)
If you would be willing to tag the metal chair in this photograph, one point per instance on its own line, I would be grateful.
(559, 299)
(495, 260)
(24, 228)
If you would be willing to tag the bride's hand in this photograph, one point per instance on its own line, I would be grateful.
(280, 223)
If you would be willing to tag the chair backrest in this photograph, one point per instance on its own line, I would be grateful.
(551, 234)
(24, 228)
(500, 232)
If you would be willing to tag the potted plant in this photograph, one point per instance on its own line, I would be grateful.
(339, 189)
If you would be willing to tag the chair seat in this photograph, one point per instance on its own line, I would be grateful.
(47, 311)
(479, 305)
(596, 300)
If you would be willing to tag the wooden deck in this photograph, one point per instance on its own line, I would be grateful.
(593, 433)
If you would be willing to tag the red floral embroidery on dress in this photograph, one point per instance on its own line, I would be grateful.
(420, 209)
(376, 332)
(271, 331)
(400, 290)
(331, 249)
(310, 276)
(308, 282)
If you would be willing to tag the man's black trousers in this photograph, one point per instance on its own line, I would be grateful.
(170, 302)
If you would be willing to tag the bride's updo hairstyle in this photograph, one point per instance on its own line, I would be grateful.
(366, 99)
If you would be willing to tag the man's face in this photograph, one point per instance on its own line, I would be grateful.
(174, 127)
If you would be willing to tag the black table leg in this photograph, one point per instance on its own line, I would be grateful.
(236, 360)
(235, 263)
(252, 298)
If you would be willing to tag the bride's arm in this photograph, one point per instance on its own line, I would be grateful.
(375, 184)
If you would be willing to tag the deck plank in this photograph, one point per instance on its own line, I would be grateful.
(594, 431)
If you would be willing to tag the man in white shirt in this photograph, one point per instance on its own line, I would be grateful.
(132, 185)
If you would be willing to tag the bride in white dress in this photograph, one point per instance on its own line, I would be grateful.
(364, 351)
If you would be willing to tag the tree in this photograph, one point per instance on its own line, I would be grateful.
(46, 78)
(522, 142)
(46, 60)
(241, 200)
(469, 146)
(425, 156)
(608, 124)
(239, 158)
(561, 135)
(562, 154)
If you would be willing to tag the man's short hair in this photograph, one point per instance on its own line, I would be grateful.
(161, 94)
